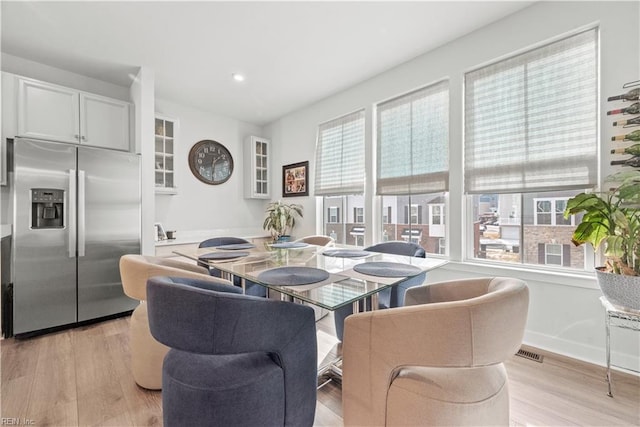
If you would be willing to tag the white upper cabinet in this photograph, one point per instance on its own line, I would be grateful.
(57, 113)
(256, 167)
(104, 122)
(48, 112)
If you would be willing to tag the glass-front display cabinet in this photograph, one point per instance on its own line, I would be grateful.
(165, 132)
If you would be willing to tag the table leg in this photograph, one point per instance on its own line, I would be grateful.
(608, 351)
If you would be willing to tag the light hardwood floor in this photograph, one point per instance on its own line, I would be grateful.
(81, 377)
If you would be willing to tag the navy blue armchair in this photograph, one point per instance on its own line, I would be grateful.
(250, 288)
(235, 360)
(390, 297)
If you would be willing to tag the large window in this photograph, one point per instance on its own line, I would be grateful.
(531, 143)
(413, 164)
(339, 177)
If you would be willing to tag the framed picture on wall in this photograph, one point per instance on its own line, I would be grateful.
(295, 179)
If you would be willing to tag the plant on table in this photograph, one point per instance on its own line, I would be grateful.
(611, 220)
(281, 218)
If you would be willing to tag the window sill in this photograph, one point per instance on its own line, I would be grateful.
(578, 279)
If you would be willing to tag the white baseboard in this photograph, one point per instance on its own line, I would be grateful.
(591, 354)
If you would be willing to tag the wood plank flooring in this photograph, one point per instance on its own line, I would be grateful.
(81, 377)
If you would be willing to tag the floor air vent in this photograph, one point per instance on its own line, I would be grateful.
(529, 355)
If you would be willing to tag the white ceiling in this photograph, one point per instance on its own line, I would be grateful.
(292, 53)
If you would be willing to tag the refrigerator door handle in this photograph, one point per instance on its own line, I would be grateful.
(71, 214)
(81, 213)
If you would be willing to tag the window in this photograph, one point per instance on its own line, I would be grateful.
(553, 254)
(437, 222)
(339, 175)
(551, 212)
(386, 214)
(436, 214)
(358, 215)
(413, 162)
(333, 215)
(413, 214)
(530, 144)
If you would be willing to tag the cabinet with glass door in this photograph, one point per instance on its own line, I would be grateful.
(165, 134)
(256, 163)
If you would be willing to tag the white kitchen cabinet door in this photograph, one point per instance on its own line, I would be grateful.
(104, 122)
(47, 111)
(256, 167)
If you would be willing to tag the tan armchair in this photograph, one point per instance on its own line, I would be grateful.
(439, 359)
(147, 354)
(317, 240)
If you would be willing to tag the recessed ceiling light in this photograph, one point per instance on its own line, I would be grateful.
(237, 77)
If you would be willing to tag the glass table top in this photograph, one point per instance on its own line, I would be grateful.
(343, 286)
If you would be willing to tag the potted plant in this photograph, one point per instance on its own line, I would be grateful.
(611, 221)
(281, 218)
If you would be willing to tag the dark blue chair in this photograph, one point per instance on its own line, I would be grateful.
(250, 287)
(390, 297)
(234, 360)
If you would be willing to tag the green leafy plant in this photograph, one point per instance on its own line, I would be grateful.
(281, 218)
(611, 220)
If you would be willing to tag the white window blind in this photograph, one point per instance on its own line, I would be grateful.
(531, 120)
(413, 140)
(340, 156)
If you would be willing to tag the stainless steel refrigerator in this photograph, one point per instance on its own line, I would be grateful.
(76, 212)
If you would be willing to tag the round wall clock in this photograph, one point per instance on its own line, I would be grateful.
(210, 162)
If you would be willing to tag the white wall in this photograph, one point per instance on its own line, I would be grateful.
(35, 70)
(199, 206)
(565, 315)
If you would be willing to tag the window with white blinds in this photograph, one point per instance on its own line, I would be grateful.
(413, 141)
(531, 120)
(340, 156)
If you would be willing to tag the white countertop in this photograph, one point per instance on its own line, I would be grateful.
(6, 230)
(196, 236)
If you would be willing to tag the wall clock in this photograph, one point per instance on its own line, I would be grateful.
(210, 162)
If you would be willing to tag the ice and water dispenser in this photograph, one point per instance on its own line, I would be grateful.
(47, 208)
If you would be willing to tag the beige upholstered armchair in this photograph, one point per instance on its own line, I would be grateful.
(147, 353)
(439, 359)
(317, 240)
